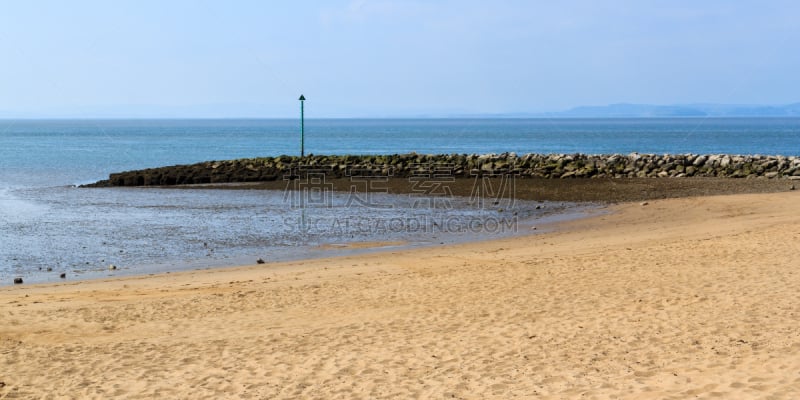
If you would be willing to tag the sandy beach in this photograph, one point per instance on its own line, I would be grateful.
(678, 298)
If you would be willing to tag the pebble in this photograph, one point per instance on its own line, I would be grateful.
(644, 203)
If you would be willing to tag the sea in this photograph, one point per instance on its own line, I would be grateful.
(49, 226)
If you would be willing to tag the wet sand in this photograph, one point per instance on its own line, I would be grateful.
(599, 190)
(687, 297)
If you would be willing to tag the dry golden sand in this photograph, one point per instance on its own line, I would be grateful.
(680, 298)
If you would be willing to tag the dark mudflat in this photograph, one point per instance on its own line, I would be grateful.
(609, 190)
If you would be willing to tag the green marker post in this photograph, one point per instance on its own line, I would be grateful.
(302, 127)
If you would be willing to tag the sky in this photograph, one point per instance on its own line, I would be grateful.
(389, 58)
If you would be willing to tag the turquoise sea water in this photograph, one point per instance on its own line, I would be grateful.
(47, 223)
(42, 153)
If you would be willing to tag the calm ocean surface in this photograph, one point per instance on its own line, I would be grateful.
(46, 223)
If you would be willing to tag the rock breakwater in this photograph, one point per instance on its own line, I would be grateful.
(551, 166)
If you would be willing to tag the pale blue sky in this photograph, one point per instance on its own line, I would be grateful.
(367, 58)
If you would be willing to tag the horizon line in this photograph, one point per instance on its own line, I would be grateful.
(466, 116)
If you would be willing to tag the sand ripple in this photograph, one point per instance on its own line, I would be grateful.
(681, 298)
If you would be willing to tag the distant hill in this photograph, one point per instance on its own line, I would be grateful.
(245, 110)
(624, 110)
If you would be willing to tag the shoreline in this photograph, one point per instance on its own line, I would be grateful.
(596, 192)
(342, 247)
(680, 297)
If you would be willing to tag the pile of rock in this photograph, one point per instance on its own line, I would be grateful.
(661, 166)
(461, 165)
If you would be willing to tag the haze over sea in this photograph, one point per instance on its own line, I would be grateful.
(47, 223)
